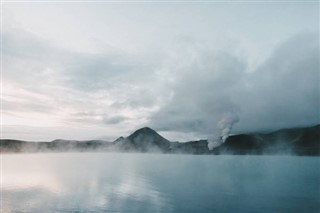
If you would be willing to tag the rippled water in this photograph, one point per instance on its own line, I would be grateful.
(104, 182)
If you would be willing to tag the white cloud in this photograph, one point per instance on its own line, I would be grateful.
(282, 92)
(177, 67)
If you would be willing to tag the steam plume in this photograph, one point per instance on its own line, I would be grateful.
(224, 128)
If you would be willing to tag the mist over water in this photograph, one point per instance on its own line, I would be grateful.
(105, 182)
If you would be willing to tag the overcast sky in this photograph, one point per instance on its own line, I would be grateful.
(102, 70)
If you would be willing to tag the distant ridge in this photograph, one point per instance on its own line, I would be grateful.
(296, 141)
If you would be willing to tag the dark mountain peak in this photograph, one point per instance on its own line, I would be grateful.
(147, 129)
(144, 131)
(146, 139)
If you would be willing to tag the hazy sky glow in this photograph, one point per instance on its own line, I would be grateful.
(101, 70)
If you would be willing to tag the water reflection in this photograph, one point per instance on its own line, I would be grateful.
(97, 182)
(77, 183)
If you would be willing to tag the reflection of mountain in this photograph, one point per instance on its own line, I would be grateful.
(299, 141)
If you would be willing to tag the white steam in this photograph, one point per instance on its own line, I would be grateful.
(224, 130)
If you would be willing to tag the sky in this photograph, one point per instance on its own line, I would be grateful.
(100, 70)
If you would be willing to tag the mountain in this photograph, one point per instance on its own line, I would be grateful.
(143, 140)
(120, 139)
(9, 145)
(192, 147)
(296, 141)
(59, 145)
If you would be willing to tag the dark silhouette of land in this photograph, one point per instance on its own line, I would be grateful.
(296, 141)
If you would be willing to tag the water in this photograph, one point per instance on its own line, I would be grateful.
(104, 182)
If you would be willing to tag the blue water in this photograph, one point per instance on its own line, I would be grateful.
(104, 182)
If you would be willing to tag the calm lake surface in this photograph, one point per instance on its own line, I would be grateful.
(105, 182)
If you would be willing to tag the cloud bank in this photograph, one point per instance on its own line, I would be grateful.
(183, 70)
(281, 92)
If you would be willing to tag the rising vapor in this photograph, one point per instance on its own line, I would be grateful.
(224, 129)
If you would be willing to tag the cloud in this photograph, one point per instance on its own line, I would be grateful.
(25, 106)
(282, 92)
(75, 88)
(114, 119)
(184, 88)
(203, 91)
